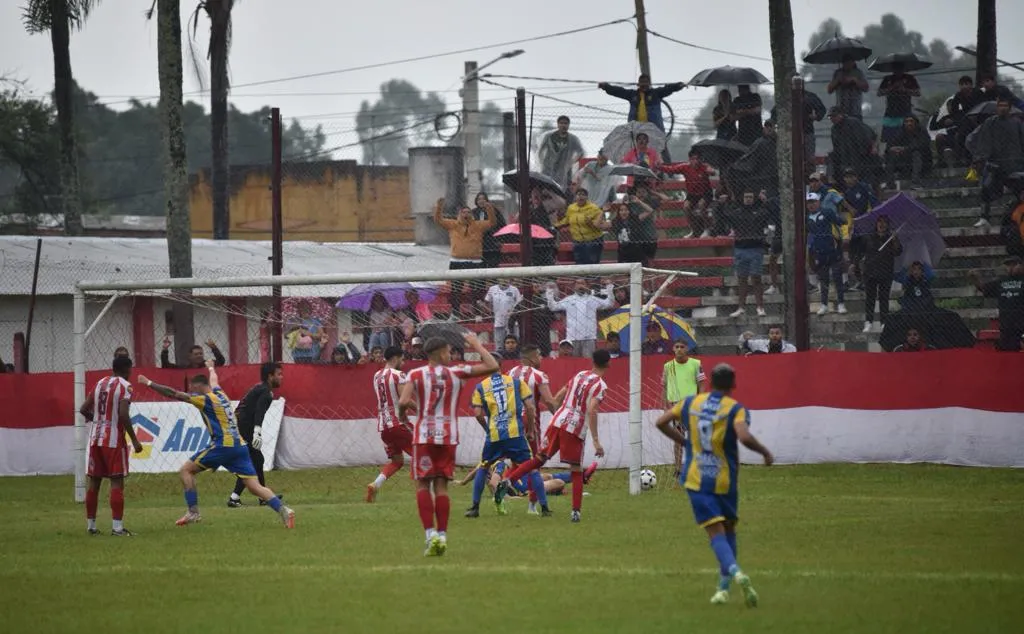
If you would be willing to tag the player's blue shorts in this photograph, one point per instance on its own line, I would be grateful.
(235, 460)
(515, 449)
(709, 508)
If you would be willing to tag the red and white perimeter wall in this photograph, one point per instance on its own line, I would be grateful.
(960, 407)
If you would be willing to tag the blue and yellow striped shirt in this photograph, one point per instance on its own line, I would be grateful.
(712, 456)
(503, 400)
(219, 418)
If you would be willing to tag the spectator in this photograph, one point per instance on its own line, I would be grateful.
(503, 299)
(382, 321)
(624, 229)
(955, 125)
(415, 351)
(415, 313)
(758, 168)
(643, 154)
(510, 349)
(898, 89)
(596, 176)
(917, 288)
(914, 342)
(748, 222)
(718, 210)
(747, 110)
(826, 253)
(880, 251)
(559, 152)
(991, 91)
(909, 150)
(1012, 228)
(491, 247)
(566, 349)
(307, 345)
(466, 237)
(376, 356)
(580, 310)
(587, 225)
(1000, 152)
(681, 377)
(643, 206)
(543, 248)
(345, 353)
(723, 117)
(859, 197)
(654, 342)
(849, 85)
(774, 344)
(699, 194)
(613, 345)
(644, 102)
(195, 356)
(1009, 290)
(853, 145)
(774, 217)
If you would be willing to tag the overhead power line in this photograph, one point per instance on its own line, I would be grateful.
(707, 48)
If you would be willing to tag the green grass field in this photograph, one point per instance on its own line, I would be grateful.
(830, 549)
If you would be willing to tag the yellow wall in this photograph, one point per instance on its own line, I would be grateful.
(328, 201)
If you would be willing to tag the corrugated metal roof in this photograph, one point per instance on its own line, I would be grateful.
(65, 261)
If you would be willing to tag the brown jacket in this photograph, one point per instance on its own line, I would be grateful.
(466, 238)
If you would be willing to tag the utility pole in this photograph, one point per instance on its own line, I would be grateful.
(276, 232)
(471, 131)
(508, 158)
(986, 38)
(641, 38)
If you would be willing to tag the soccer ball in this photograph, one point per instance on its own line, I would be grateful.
(648, 480)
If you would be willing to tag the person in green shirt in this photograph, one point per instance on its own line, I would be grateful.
(681, 377)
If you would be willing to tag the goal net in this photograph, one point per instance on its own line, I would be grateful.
(330, 332)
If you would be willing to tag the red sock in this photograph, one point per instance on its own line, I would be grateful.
(577, 490)
(117, 503)
(442, 507)
(523, 469)
(91, 502)
(533, 494)
(390, 469)
(425, 503)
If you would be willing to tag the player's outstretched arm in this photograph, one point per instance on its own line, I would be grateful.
(750, 442)
(211, 367)
(164, 390)
(489, 365)
(665, 426)
(592, 406)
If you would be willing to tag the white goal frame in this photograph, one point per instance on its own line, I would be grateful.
(117, 288)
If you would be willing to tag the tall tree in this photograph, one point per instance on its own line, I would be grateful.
(29, 160)
(986, 62)
(172, 133)
(58, 17)
(401, 118)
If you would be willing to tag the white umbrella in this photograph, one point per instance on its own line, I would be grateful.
(622, 139)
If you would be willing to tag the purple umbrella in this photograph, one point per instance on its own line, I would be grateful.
(916, 226)
(360, 296)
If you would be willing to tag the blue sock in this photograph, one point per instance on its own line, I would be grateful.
(191, 498)
(479, 482)
(564, 476)
(724, 576)
(726, 560)
(538, 487)
(275, 503)
(731, 538)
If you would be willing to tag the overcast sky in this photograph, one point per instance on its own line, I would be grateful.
(115, 55)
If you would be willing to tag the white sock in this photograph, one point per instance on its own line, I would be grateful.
(430, 533)
(532, 507)
(118, 525)
(378, 482)
(91, 523)
(442, 534)
(235, 497)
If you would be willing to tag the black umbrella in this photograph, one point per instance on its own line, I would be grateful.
(939, 327)
(629, 169)
(728, 76)
(988, 109)
(837, 49)
(719, 152)
(543, 181)
(894, 62)
(450, 331)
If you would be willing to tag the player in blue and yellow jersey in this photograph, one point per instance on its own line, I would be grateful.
(712, 423)
(226, 449)
(504, 407)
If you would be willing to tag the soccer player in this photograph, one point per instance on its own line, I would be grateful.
(226, 449)
(433, 391)
(530, 373)
(713, 422)
(568, 430)
(107, 408)
(251, 411)
(682, 376)
(397, 437)
(504, 407)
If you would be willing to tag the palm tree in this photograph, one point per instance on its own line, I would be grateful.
(58, 17)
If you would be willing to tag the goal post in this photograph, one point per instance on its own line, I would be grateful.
(96, 309)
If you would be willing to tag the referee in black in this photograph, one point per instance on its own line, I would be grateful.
(249, 413)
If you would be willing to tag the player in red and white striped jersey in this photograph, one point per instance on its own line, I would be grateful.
(433, 391)
(566, 434)
(108, 410)
(530, 374)
(396, 436)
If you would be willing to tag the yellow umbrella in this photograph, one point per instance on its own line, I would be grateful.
(673, 327)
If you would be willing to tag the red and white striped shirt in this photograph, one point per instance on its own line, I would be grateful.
(387, 385)
(436, 393)
(532, 377)
(572, 415)
(107, 397)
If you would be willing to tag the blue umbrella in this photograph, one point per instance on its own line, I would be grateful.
(673, 327)
(916, 225)
(360, 296)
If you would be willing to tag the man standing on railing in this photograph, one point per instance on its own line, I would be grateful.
(252, 409)
(644, 102)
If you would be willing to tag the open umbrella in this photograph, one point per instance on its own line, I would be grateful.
(988, 109)
(894, 62)
(719, 152)
(450, 331)
(837, 49)
(673, 327)
(728, 76)
(537, 179)
(941, 328)
(622, 139)
(536, 231)
(629, 169)
(916, 225)
(360, 296)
